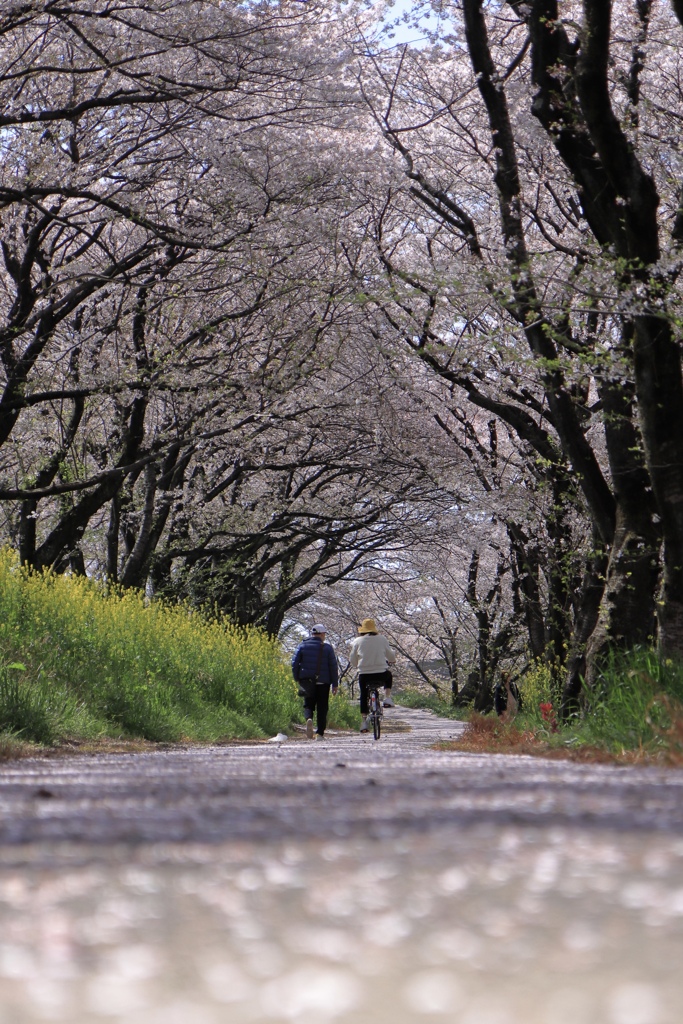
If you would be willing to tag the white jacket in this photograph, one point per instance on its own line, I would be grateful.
(371, 653)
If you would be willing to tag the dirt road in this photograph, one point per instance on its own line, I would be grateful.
(347, 880)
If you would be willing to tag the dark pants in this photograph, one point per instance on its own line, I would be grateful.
(367, 682)
(317, 696)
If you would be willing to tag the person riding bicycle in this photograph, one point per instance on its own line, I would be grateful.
(371, 654)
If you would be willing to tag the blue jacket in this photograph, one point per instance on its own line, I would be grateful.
(305, 662)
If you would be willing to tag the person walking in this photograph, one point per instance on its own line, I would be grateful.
(371, 655)
(314, 666)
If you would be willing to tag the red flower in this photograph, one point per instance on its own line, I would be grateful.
(548, 716)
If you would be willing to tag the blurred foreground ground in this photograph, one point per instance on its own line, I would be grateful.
(346, 881)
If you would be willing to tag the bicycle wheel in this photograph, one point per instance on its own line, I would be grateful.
(376, 716)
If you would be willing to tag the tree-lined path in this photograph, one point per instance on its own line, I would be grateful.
(284, 303)
(350, 880)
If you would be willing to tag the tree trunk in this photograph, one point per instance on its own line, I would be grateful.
(657, 360)
(627, 611)
(27, 531)
(133, 571)
(526, 570)
(469, 691)
(588, 609)
(113, 541)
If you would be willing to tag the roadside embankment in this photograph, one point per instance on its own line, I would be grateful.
(83, 661)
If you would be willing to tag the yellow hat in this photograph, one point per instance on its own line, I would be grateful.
(367, 626)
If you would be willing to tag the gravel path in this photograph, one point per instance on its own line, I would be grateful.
(348, 880)
(347, 786)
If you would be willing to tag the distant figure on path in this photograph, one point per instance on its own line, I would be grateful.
(506, 698)
(314, 666)
(371, 655)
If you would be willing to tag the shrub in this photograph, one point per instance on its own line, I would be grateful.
(536, 687)
(343, 714)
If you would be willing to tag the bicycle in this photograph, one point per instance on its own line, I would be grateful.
(376, 711)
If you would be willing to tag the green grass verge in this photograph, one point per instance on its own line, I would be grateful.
(636, 704)
(79, 660)
(634, 714)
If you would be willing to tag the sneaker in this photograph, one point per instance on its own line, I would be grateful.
(388, 703)
(309, 728)
(364, 725)
(319, 736)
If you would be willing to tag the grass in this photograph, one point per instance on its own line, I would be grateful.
(638, 703)
(80, 661)
(634, 715)
(12, 748)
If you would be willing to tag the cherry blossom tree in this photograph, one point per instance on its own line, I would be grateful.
(149, 208)
(508, 271)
